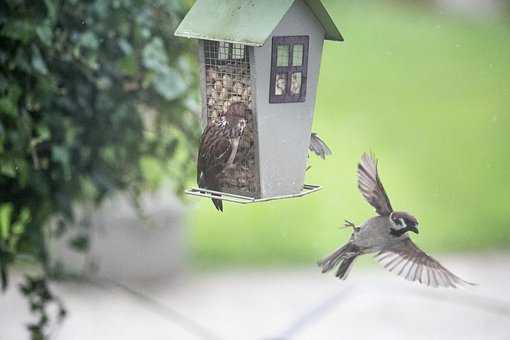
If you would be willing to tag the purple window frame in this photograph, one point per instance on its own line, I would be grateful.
(289, 70)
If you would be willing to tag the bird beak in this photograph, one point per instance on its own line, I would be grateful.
(414, 229)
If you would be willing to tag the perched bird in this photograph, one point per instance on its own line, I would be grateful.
(218, 147)
(318, 146)
(387, 237)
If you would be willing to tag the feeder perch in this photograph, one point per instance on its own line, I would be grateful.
(265, 54)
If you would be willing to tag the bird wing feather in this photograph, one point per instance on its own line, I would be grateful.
(213, 154)
(371, 186)
(318, 146)
(410, 262)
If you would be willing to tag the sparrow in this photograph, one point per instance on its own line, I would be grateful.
(386, 236)
(218, 147)
(318, 146)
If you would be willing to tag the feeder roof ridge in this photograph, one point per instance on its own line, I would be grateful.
(248, 22)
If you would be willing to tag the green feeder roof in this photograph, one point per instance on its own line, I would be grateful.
(248, 22)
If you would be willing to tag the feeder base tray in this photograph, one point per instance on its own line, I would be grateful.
(307, 189)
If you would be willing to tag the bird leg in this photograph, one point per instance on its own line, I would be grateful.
(349, 224)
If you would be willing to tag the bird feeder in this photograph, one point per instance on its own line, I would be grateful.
(265, 54)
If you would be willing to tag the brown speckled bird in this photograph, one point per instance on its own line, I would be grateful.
(386, 236)
(218, 147)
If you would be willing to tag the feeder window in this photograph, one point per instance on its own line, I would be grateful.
(281, 84)
(282, 57)
(228, 51)
(238, 51)
(223, 50)
(289, 66)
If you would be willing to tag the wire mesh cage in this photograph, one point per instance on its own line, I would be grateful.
(227, 81)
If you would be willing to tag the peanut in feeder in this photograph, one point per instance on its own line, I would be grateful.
(264, 55)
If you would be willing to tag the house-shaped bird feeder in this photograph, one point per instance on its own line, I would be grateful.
(265, 54)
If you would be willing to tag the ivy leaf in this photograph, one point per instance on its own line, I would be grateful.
(60, 154)
(38, 62)
(154, 56)
(129, 65)
(5, 220)
(21, 30)
(9, 102)
(45, 34)
(125, 46)
(24, 217)
(89, 40)
(51, 9)
(170, 84)
(8, 169)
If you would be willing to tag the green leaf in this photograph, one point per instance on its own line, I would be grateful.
(5, 220)
(22, 30)
(24, 217)
(154, 56)
(8, 169)
(129, 65)
(104, 83)
(45, 34)
(38, 62)
(89, 40)
(60, 154)
(170, 84)
(43, 133)
(9, 102)
(17, 228)
(51, 10)
(125, 46)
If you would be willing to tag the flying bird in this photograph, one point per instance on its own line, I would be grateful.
(318, 147)
(218, 147)
(386, 236)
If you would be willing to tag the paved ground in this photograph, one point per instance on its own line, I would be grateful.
(284, 304)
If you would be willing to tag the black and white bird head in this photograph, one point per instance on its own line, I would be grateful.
(404, 222)
(234, 120)
(372, 189)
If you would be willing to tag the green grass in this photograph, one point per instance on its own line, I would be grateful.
(430, 94)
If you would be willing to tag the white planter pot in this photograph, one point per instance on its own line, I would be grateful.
(123, 246)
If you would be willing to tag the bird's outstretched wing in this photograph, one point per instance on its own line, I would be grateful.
(413, 264)
(371, 186)
(318, 147)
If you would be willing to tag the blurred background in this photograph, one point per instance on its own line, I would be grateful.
(423, 84)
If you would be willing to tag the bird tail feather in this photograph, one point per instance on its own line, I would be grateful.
(218, 204)
(344, 255)
(345, 267)
(210, 183)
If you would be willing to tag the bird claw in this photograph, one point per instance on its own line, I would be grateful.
(349, 224)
